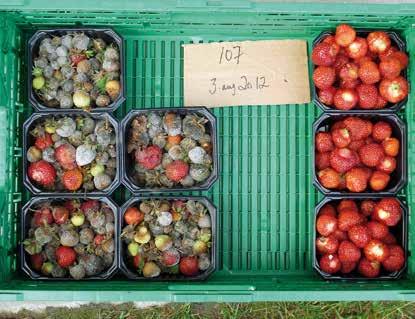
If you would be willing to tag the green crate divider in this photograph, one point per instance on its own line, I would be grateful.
(264, 195)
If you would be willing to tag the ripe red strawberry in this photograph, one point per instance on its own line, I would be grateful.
(388, 211)
(138, 261)
(76, 58)
(341, 137)
(363, 59)
(324, 142)
(326, 225)
(72, 205)
(389, 239)
(177, 170)
(324, 77)
(345, 35)
(391, 146)
(326, 95)
(345, 99)
(36, 261)
(341, 60)
(378, 41)
(356, 180)
(377, 230)
(337, 125)
(42, 173)
(65, 155)
(381, 103)
(375, 250)
(396, 259)
(343, 159)
(379, 181)
(348, 267)
(349, 72)
(149, 157)
(357, 127)
(349, 84)
(340, 235)
(402, 57)
(323, 54)
(390, 68)
(359, 235)
(329, 178)
(387, 53)
(72, 179)
(327, 245)
(394, 90)
(369, 269)
(381, 131)
(348, 252)
(90, 206)
(133, 216)
(189, 266)
(371, 154)
(347, 204)
(98, 239)
(355, 145)
(65, 256)
(348, 218)
(42, 216)
(369, 72)
(368, 96)
(327, 209)
(367, 206)
(43, 141)
(330, 263)
(60, 214)
(322, 160)
(357, 49)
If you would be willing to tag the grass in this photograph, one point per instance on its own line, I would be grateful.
(286, 310)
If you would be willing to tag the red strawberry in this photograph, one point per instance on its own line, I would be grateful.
(326, 225)
(177, 170)
(36, 261)
(357, 49)
(369, 72)
(324, 142)
(402, 57)
(189, 266)
(375, 250)
(341, 138)
(42, 216)
(330, 40)
(363, 59)
(349, 84)
(150, 157)
(65, 256)
(348, 267)
(322, 160)
(72, 205)
(389, 239)
(337, 125)
(378, 41)
(348, 252)
(327, 209)
(343, 159)
(133, 216)
(367, 206)
(138, 261)
(60, 214)
(330, 263)
(381, 103)
(391, 146)
(368, 96)
(348, 218)
(340, 235)
(65, 154)
(388, 211)
(340, 61)
(329, 178)
(42, 173)
(98, 239)
(90, 206)
(390, 68)
(326, 95)
(381, 131)
(323, 54)
(396, 259)
(371, 154)
(377, 230)
(347, 204)
(356, 180)
(345, 99)
(357, 127)
(394, 90)
(44, 141)
(72, 179)
(327, 245)
(324, 77)
(379, 181)
(387, 53)
(76, 58)
(345, 35)
(369, 269)
(349, 72)
(170, 258)
(355, 145)
(359, 235)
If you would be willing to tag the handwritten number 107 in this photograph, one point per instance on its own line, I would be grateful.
(227, 55)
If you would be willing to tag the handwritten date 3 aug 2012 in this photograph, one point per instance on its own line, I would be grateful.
(257, 83)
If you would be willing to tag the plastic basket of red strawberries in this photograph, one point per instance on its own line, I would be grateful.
(364, 238)
(359, 70)
(69, 238)
(358, 155)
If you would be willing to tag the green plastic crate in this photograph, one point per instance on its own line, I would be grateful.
(264, 195)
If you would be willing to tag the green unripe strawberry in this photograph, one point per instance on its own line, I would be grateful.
(38, 82)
